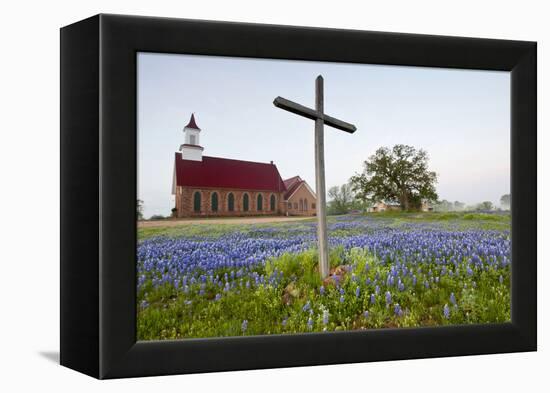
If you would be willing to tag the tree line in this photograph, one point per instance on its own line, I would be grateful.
(400, 175)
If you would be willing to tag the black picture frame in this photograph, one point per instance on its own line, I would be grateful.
(98, 195)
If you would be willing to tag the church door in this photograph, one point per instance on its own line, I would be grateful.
(197, 202)
(260, 202)
(272, 203)
(245, 202)
(230, 202)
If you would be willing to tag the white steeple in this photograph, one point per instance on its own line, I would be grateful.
(191, 149)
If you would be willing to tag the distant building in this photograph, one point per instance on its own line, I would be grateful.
(212, 186)
(383, 206)
(299, 197)
(426, 207)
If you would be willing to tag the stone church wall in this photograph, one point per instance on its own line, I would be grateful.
(185, 203)
(302, 203)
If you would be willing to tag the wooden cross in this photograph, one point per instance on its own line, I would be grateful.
(320, 118)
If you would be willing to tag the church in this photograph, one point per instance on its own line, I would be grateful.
(206, 186)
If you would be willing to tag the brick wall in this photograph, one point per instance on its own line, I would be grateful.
(303, 203)
(185, 202)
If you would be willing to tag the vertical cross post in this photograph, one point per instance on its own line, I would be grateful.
(321, 119)
(322, 237)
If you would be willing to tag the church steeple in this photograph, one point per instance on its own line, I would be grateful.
(191, 149)
(192, 123)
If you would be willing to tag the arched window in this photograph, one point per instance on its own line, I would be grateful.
(230, 202)
(214, 202)
(245, 202)
(197, 202)
(301, 205)
(272, 203)
(259, 205)
(305, 204)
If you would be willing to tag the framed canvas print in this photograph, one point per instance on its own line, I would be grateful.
(238, 196)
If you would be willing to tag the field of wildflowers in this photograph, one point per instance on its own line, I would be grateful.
(387, 271)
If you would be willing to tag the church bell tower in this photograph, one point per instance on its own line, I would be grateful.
(191, 149)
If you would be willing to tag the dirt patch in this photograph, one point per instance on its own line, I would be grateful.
(220, 220)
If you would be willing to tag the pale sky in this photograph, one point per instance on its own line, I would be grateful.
(460, 117)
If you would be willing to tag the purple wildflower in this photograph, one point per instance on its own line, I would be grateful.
(446, 311)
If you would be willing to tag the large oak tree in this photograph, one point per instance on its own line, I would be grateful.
(399, 174)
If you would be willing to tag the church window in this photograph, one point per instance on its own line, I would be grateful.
(197, 202)
(245, 202)
(192, 139)
(313, 205)
(260, 202)
(295, 205)
(289, 206)
(305, 204)
(214, 202)
(230, 202)
(272, 203)
(301, 205)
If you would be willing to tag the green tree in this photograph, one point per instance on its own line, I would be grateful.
(458, 206)
(443, 206)
(505, 201)
(398, 174)
(485, 205)
(139, 209)
(341, 199)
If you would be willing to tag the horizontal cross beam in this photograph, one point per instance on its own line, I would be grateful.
(312, 114)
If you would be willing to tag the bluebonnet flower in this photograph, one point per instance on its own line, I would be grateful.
(284, 322)
(372, 298)
(306, 307)
(401, 286)
(446, 311)
(218, 296)
(452, 298)
(144, 304)
(235, 260)
(342, 292)
(397, 310)
(357, 292)
(388, 298)
(342, 299)
(501, 279)
(322, 290)
(310, 323)
(325, 317)
(366, 314)
(244, 325)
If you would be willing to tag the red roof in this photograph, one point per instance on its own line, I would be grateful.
(227, 173)
(292, 184)
(192, 123)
